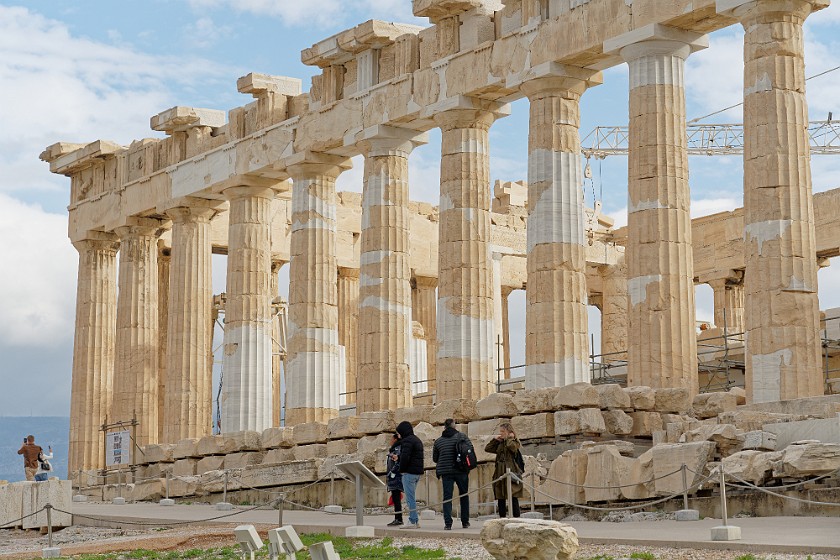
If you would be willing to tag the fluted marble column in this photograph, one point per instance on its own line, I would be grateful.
(246, 386)
(189, 345)
(662, 344)
(384, 379)
(556, 345)
(164, 261)
(728, 296)
(276, 360)
(614, 306)
(348, 326)
(136, 358)
(312, 375)
(465, 270)
(93, 350)
(424, 311)
(780, 282)
(506, 291)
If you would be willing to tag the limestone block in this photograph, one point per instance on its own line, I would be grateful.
(740, 395)
(111, 491)
(727, 438)
(57, 492)
(625, 448)
(342, 446)
(183, 486)
(750, 420)
(566, 422)
(565, 479)
(659, 436)
(374, 444)
(606, 471)
(11, 502)
(612, 396)
(534, 539)
(483, 427)
(750, 465)
(211, 463)
(532, 401)
(670, 457)
(617, 422)
(426, 432)
(534, 426)
(709, 405)
(148, 490)
(344, 427)
(591, 421)
(576, 395)
(311, 451)
(185, 467)
(641, 397)
(462, 410)
(479, 443)
(156, 470)
(281, 455)
(295, 472)
(760, 440)
(825, 430)
(812, 459)
(272, 438)
(213, 445)
(244, 440)
(639, 484)
(496, 405)
(672, 399)
(243, 459)
(675, 430)
(645, 423)
(310, 432)
(377, 422)
(414, 414)
(186, 448)
(158, 453)
(327, 468)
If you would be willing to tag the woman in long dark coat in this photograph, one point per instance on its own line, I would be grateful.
(506, 447)
(395, 485)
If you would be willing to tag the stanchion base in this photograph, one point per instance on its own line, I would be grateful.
(687, 515)
(54, 552)
(79, 498)
(224, 506)
(118, 501)
(533, 515)
(428, 514)
(167, 502)
(359, 531)
(333, 509)
(726, 533)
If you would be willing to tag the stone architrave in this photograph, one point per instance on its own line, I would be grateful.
(93, 349)
(348, 327)
(246, 387)
(662, 345)
(424, 311)
(780, 283)
(465, 270)
(556, 345)
(188, 398)
(313, 369)
(136, 357)
(384, 380)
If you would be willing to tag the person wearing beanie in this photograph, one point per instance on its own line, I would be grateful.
(395, 485)
(444, 454)
(411, 468)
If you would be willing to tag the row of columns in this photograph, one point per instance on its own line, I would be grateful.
(780, 282)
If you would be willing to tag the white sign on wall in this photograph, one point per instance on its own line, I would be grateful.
(118, 448)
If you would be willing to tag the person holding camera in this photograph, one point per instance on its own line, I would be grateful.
(44, 466)
(507, 447)
(30, 453)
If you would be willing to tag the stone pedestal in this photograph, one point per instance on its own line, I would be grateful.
(348, 328)
(189, 346)
(312, 372)
(93, 350)
(726, 533)
(246, 388)
(136, 356)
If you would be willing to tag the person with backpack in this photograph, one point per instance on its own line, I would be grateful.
(44, 466)
(454, 458)
(395, 485)
(411, 469)
(507, 448)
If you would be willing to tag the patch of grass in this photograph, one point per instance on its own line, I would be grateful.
(643, 556)
(602, 557)
(747, 557)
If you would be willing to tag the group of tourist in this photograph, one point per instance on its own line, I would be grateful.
(36, 463)
(454, 458)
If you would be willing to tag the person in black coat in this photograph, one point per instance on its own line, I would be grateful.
(411, 468)
(443, 454)
(394, 477)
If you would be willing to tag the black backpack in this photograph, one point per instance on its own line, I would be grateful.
(465, 459)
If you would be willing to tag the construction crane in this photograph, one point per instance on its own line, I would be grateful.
(708, 139)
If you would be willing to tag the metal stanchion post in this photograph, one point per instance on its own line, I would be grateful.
(224, 505)
(428, 512)
(280, 510)
(79, 497)
(51, 551)
(533, 514)
(119, 500)
(509, 487)
(533, 491)
(725, 532)
(686, 514)
(685, 487)
(723, 509)
(331, 507)
(167, 501)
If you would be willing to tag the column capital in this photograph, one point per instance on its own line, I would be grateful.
(190, 214)
(424, 282)
(552, 77)
(244, 191)
(139, 227)
(466, 112)
(308, 164)
(747, 10)
(655, 39)
(347, 272)
(383, 140)
(722, 278)
(97, 241)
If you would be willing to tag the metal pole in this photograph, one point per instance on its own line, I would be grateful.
(723, 497)
(48, 507)
(685, 486)
(533, 490)
(332, 488)
(498, 363)
(119, 482)
(224, 489)
(167, 485)
(426, 476)
(360, 502)
(509, 486)
(280, 510)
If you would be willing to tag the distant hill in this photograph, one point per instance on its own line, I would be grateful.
(48, 430)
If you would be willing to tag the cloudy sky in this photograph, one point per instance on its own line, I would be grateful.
(95, 70)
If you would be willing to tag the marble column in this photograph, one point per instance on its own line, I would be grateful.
(164, 261)
(614, 305)
(499, 351)
(780, 282)
(312, 375)
(728, 296)
(384, 378)
(93, 350)
(662, 344)
(348, 327)
(424, 311)
(506, 291)
(276, 358)
(189, 345)
(465, 328)
(556, 345)
(136, 358)
(246, 386)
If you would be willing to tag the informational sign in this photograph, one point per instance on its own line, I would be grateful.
(118, 448)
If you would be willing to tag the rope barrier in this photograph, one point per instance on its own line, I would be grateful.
(158, 524)
(770, 492)
(616, 487)
(14, 522)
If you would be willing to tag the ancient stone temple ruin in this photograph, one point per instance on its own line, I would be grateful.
(394, 303)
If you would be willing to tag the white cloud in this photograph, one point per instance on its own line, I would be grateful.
(204, 32)
(38, 285)
(714, 77)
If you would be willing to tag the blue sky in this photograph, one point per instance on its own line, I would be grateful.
(86, 70)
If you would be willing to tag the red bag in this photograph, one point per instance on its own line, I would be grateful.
(391, 500)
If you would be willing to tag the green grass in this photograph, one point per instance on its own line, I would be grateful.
(643, 556)
(747, 557)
